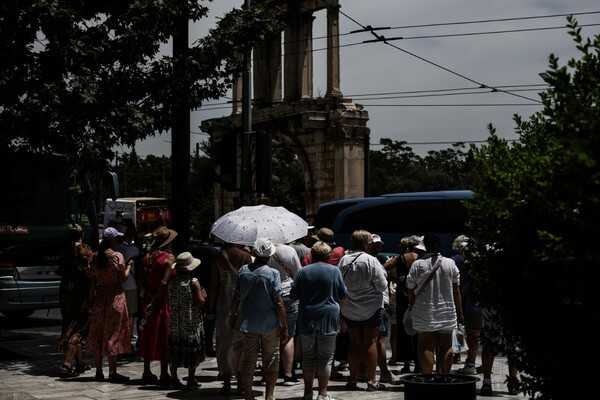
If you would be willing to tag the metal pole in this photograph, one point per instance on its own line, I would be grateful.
(246, 171)
(180, 146)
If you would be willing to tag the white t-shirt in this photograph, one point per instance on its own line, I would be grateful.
(434, 309)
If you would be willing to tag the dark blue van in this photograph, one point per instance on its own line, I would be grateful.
(393, 216)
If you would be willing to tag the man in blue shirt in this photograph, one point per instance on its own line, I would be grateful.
(261, 320)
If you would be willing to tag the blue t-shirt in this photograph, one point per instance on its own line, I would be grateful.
(258, 313)
(319, 287)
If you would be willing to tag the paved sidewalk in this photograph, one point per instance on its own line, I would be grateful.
(29, 366)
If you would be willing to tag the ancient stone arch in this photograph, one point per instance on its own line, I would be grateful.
(330, 134)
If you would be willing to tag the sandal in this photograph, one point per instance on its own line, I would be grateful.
(118, 378)
(66, 372)
(81, 368)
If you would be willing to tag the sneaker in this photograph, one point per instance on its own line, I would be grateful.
(327, 397)
(388, 377)
(467, 370)
(342, 366)
(290, 381)
(375, 386)
(486, 390)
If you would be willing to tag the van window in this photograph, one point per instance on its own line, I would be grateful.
(441, 215)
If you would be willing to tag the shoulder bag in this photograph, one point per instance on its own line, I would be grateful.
(407, 319)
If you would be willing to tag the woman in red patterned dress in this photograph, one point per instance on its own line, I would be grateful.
(154, 279)
(110, 332)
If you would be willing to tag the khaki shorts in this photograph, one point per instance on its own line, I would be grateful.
(269, 350)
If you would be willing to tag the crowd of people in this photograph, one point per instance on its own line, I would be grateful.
(309, 302)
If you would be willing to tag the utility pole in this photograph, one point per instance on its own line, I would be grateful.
(180, 132)
(246, 170)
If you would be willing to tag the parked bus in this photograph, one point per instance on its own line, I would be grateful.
(40, 197)
(393, 216)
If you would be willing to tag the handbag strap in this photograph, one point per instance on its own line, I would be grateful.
(426, 281)
(287, 269)
(347, 267)
(257, 274)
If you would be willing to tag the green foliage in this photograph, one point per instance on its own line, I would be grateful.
(396, 168)
(537, 206)
(80, 77)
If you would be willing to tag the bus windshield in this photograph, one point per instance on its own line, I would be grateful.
(40, 197)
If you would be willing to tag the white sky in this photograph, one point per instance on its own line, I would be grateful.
(504, 60)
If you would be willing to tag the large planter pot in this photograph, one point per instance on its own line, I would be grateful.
(440, 387)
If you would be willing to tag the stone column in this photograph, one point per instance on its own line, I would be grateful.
(305, 56)
(267, 72)
(333, 51)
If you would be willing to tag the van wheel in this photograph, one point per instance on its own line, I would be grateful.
(18, 314)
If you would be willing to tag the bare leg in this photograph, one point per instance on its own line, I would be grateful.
(270, 379)
(247, 385)
(444, 341)
(426, 350)
(382, 355)
(98, 361)
(78, 355)
(354, 352)
(487, 362)
(370, 336)
(393, 340)
(323, 383)
(287, 357)
(309, 377)
(69, 354)
(112, 365)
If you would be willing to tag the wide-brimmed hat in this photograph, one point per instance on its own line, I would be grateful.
(162, 236)
(264, 248)
(186, 262)
(111, 233)
(324, 235)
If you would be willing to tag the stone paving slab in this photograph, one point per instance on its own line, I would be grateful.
(31, 372)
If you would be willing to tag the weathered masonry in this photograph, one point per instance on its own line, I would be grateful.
(328, 134)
